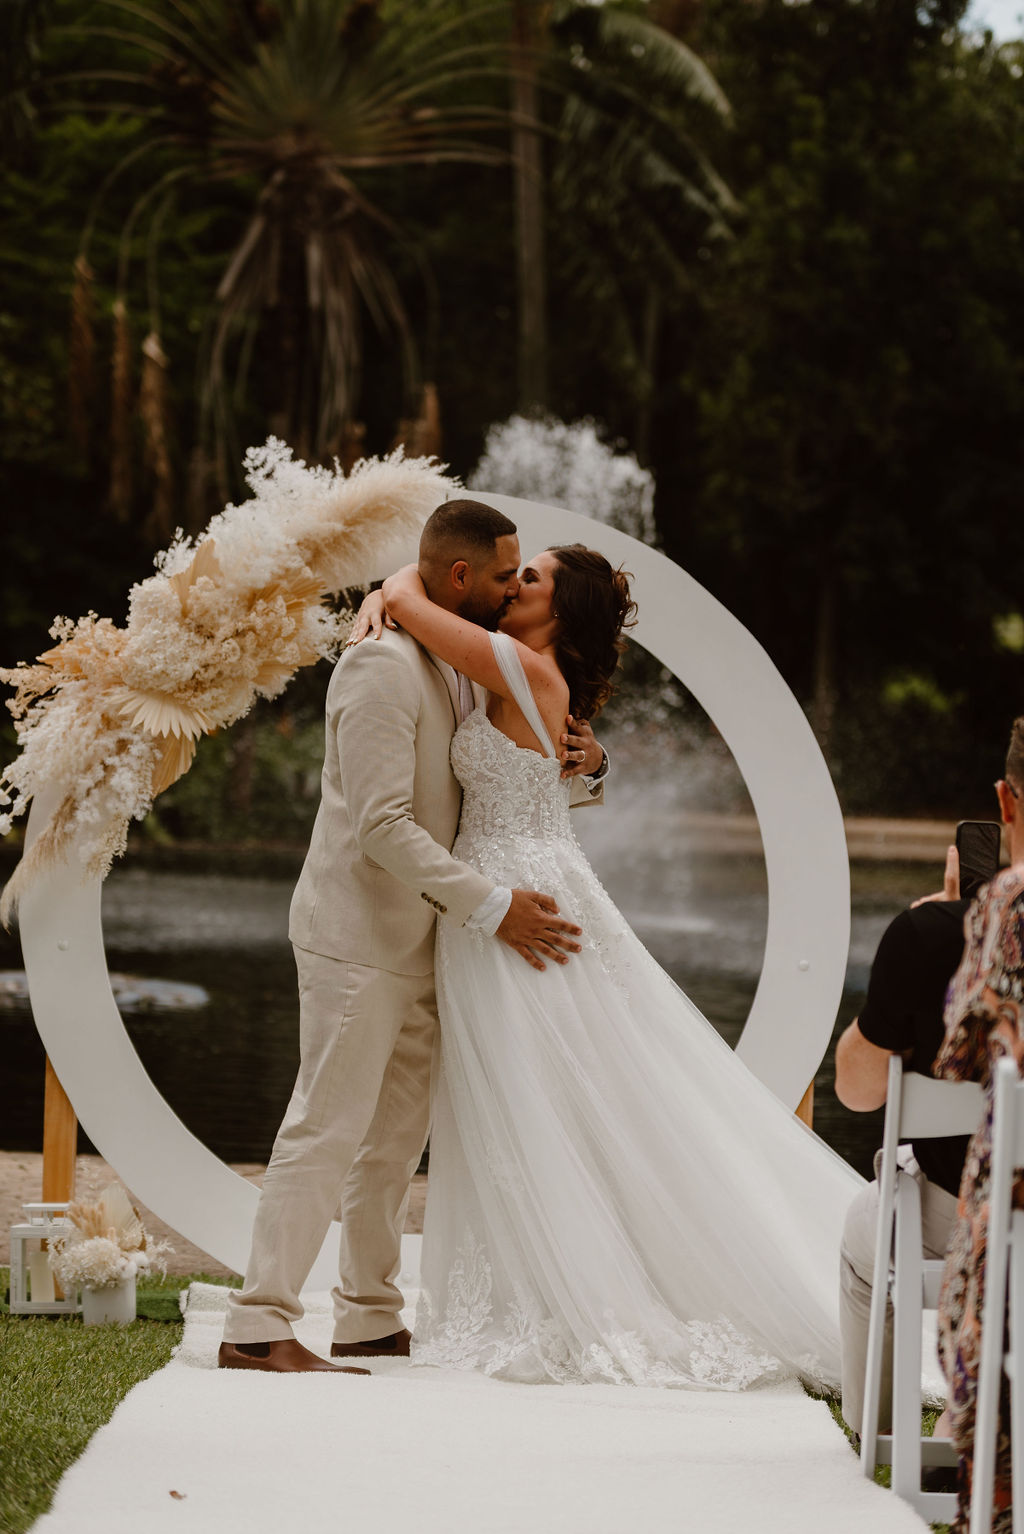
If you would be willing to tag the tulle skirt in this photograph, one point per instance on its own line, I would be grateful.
(613, 1195)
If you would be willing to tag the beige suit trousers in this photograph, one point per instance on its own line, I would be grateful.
(856, 1280)
(350, 1142)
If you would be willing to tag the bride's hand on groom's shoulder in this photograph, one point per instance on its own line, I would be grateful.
(533, 927)
(372, 617)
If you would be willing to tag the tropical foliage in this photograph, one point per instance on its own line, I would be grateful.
(287, 113)
(776, 251)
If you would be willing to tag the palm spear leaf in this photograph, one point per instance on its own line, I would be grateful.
(664, 61)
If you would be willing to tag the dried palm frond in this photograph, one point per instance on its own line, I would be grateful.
(112, 715)
(122, 1218)
(204, 562)
(159, 714)
(295, 591)
(175, 759)
(113, 1215)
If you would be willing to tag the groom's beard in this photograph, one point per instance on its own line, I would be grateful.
(485, 617)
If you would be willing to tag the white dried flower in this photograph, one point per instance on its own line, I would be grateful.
(108, 1243)
(110, 716)
(94, 1263)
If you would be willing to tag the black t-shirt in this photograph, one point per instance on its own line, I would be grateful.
(914, 964)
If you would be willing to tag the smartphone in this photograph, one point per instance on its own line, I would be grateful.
(977, 842)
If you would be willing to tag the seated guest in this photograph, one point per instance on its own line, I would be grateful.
(984, 1023)
(903, 1014)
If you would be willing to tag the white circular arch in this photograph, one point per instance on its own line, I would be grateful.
(790, 1021)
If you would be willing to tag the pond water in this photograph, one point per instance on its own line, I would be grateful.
(227, 1066)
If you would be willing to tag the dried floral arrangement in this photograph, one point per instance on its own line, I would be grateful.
(111, 716)
(108, 1244)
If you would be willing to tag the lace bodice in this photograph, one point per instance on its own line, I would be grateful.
(516, 829)
(510, 793)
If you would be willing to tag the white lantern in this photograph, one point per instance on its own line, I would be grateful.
(33, 1291)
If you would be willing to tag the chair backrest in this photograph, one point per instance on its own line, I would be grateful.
(921, 1108)
(930, 1108)
(1007, 1124)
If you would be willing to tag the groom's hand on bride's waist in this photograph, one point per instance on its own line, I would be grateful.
(579, 753)
(533, 927)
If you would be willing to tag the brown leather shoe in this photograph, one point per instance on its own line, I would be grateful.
(396, 1346)
(285, 1357)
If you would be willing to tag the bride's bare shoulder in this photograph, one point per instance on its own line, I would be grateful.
(545, 679)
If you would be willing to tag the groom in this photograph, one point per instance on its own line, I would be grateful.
(378, 874)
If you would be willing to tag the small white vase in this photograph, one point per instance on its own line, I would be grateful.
(115, 1302)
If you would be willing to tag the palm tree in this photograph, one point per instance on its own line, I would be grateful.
(629, 167)
(299, 108)
(530, 30)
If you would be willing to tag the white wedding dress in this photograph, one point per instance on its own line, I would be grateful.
(613, 1196)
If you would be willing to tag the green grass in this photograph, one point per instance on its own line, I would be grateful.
(60, 1381)
(883, 1473)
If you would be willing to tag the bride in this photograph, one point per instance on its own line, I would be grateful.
(613, 1196)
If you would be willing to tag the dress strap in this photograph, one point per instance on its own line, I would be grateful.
(511, 668)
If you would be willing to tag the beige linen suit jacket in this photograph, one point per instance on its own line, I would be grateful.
(378, 870)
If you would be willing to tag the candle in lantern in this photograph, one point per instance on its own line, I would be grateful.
(40, 1277)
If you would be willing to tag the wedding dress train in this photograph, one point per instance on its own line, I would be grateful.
(613, 1196)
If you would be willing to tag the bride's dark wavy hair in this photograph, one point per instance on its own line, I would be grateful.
(593, 606)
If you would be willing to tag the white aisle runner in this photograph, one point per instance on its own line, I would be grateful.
(429, 1451)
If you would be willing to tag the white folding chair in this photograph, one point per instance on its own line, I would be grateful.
(1004, 1262)
(919, 1108)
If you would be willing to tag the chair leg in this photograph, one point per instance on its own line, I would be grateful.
(875, 1349)
(990, 1366)
(1016, 1283)
(906, 1350)
(880, 1282)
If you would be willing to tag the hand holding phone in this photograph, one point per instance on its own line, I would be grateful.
(978, 843)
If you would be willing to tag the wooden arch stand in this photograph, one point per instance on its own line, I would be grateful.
(60, 1141)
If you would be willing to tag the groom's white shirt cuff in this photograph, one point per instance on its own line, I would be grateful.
(491, 912)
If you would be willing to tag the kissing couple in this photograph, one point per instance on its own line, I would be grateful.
(613, 1196)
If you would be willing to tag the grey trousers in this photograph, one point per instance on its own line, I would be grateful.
(856, 1273)
(348, 1147)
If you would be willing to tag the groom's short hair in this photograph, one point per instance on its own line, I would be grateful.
(460, 529)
